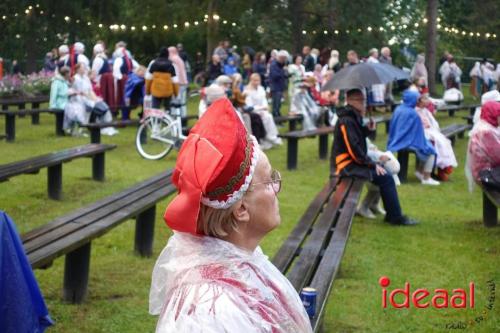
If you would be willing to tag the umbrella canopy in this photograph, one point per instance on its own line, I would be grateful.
(364, 75)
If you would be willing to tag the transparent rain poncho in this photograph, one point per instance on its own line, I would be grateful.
(484, 144)
(204, 284)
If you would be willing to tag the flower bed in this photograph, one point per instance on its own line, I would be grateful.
(25, 86)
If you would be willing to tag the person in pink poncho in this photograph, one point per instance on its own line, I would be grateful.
(484, 144)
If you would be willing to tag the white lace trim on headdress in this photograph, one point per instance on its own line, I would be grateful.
(237, 195)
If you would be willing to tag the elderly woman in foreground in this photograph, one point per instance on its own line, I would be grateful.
(212, 276)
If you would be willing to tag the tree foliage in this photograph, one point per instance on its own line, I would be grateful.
(263, 25)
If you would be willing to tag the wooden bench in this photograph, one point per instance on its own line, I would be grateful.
(379, 120)
(491, 204)
(71, 235)
(451, 132)
(311, 255)
(292, 120)
(10, 120)
(21, 102)
(454, 130)
(293, 143)
(53, 162)
(95, 128)
(452, 108)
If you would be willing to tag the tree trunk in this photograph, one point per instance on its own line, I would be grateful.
(31, 46)
(331, 24)
(212, 26)
(430, 45)
(296, 10)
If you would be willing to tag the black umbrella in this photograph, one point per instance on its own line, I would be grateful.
(364, 75)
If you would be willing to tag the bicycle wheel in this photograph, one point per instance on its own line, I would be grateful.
(156, 137)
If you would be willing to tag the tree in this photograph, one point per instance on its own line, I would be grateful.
(430, 45)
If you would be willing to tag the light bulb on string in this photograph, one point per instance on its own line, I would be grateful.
(165, 27)
(233, 24)
(196, 22)
(132, 28)
(175, 26)
(186, 24)
(144, 28)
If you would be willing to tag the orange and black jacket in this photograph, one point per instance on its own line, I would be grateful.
(349, 151)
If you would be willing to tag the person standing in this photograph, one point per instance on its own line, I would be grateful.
(377, 92)
(180, 78)
(385, 58)
(349, 156)
(277, 80)
(160, 80)
(104, 76)
(308, 59)
(214, 69)
(123, 64)
(352, 58)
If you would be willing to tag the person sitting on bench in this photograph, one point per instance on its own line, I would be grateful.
(350, 158)
(406, 132)
(445, 158)
(212, 276)
(484, 143)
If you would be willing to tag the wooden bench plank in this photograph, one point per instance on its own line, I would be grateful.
(92, 207)
(327, 269)
(81, 222)
(308, 133)
(33, 164)
(82, 236)
(287, 252)
(303, 268)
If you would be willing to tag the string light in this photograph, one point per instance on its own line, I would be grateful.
(404, 25)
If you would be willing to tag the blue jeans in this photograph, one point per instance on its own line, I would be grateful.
(276, 95)
(389, 195)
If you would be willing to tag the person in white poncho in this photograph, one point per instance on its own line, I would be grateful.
(212, 276)
(256, 98)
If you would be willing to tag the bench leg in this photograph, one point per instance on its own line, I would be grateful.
(292, 125)
(387, 127)
(461, 135)
(10, 127)
(490, 212)
(292, 153)
(35, 119)
(54, 178)
(451, 113)
(76, 274)
(21, 106)
(452, 139)
(98, 167)
(403, 163)
(144, 232)
(323, 147)
(59, 123)
(95, 135)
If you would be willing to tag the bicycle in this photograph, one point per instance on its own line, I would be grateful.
(159, 132)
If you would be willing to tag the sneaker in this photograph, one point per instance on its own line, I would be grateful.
(265, 145)
(377, 209)
(419, 175)
(365, 212)
(403, 220)
(430, 181)
(278, 142)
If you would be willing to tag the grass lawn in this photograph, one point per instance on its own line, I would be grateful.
(448, 249)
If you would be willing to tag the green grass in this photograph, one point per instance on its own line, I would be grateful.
(448, 249)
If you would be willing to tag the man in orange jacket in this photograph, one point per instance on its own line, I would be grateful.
(350, 159)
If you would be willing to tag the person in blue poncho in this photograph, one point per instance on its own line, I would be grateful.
(22, 308)
(406, 132)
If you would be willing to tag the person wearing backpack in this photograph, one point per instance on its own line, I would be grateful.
(161, 80)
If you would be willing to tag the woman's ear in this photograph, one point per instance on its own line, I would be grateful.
(240, 212)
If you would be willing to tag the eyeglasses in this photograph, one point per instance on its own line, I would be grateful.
(275, 181)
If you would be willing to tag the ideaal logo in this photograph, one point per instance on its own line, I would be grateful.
(461, 298)
(439, 299)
